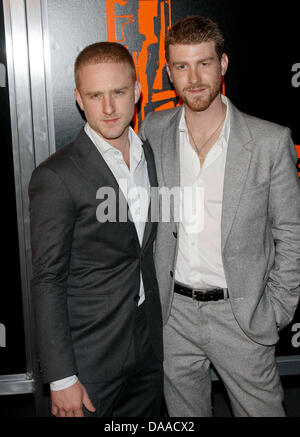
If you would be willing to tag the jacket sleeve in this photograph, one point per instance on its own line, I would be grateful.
(284, 209)
(52, 218)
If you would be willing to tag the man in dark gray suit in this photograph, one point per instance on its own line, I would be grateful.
(229, 269)
(94, 288)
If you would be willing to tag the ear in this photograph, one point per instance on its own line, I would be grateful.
(137, 91)
(78, 99)
(169, 72)
(224, 63)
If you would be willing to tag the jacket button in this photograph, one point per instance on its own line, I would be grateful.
(136, 297)
(175, 234)
(171, 274)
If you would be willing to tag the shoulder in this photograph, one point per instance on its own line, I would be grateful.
(61, 159)
(269, 142)
(156, 122)
(258, 127)
(58, 165)
(263, 135)
(265, 128)
(162, 115)
(271, 139)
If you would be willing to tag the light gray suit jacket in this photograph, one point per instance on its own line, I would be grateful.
(260, 225)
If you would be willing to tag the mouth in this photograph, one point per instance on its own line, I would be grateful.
(194, 91)
(110, 121)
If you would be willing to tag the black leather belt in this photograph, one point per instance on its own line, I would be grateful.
(201, 295)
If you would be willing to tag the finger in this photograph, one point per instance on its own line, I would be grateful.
(70, 413)
(61, 413)
(78, 413)
(88, 403)
(54, 411)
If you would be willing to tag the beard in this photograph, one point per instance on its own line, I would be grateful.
(201, 103)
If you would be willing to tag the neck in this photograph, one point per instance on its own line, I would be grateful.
(121, 143)
(204, 127)
(205, 120)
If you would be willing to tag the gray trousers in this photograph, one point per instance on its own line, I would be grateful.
(200, 333)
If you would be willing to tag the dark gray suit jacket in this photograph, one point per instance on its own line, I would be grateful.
(86, 274)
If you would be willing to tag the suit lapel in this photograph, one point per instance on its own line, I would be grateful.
(170, 158)
(94, 168)
(153, 183)
(236, 169)
(91, 163)
(150, 164)
(170, 152)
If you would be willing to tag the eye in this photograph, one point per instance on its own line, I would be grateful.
(95, 96)
(207, 63)
(119, 92)
(181, 67)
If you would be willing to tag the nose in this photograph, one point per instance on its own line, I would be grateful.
(194, 76)
(108, 105)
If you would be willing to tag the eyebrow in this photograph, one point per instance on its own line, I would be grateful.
(209, 58)
(92, 93)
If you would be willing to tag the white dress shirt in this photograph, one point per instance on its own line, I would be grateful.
(199, 260)
(135, 186)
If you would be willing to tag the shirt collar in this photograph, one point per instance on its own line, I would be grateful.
(226, 126)
(136, 148)
(136, 145)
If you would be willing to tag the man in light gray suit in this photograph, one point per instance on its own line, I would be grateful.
(228, 271)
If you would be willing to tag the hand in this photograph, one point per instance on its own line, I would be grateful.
(69, 401)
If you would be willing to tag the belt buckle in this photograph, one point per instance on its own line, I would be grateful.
(204, 296)
(194, 291)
